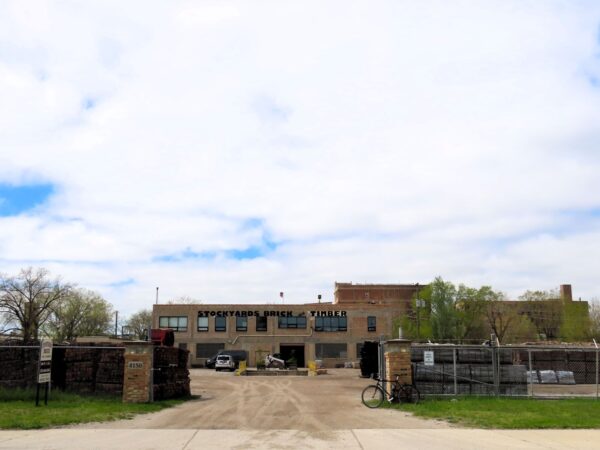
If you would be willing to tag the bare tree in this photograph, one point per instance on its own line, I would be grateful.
(139, 322)
(184, 300)
(27, 300)
(546, 310)
(594, 323)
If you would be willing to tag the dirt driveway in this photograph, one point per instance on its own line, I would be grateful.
(312, 404)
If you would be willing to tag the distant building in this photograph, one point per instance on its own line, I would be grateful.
(329, 331)
(332, 332)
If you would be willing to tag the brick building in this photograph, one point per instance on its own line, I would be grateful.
(332, 331)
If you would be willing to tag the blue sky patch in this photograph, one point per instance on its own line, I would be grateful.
(187, 254)
(122, 283)
(15, 200)
(252, 252)
(89, 103)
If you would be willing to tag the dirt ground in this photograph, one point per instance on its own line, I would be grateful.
(311, 404)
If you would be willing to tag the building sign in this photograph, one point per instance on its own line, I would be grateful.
(428, 358)
(235, 313)
(46, 350)
(135, 365)
(45, 364)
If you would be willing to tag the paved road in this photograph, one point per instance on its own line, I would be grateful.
(365, 439)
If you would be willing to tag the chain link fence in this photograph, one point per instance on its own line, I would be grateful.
(515, 371)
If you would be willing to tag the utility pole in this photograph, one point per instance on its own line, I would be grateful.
(157, 295)
(116, 322)
(418, 303)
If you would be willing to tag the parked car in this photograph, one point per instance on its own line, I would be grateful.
(225, 362)
(238, 355)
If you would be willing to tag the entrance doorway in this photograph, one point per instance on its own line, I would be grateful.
(290, 351)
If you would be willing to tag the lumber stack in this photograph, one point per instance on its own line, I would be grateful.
(473, 369)
(171, 374)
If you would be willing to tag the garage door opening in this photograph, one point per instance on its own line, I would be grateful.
(292, 351)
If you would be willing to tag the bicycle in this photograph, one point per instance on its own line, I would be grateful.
(374, 395)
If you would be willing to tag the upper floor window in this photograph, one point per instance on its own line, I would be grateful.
(220, 323)
(331, 323)
(261, 323)
(292, 322)
(176, 323)
(241, 324)
(202, 323)
(371, 323)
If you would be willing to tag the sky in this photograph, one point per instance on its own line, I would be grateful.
(228, 151)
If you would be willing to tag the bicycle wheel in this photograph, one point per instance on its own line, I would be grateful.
(410, 394)
(372, 396)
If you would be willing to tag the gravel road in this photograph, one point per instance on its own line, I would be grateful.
(311, 404)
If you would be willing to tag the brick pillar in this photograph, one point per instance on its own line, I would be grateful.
(138, 372)
(397, 361)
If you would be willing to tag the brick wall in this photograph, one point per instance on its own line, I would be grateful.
(83, 370)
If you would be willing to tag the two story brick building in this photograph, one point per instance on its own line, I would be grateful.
(332, 332)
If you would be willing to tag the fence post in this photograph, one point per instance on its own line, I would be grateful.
(596, 368)
(530, 374)
(454, 366)
(494, 358)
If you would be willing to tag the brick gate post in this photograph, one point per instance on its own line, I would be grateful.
(397, 361)
(138, 372)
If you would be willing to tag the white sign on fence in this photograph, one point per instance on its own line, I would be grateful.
(46, 350)
(45, 364)
(428, 358)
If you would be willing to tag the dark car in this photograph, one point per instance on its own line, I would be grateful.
(237, 355)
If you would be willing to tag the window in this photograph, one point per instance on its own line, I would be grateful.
(176, 323)
(331, 323)
(202, 323)
(220, 323)
(208, 350)
(292, 322)
(241, 324)
(371, 323)
(261, 323)
(331, 351)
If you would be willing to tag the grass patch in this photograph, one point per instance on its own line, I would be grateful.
(508, 413)
(18, 410)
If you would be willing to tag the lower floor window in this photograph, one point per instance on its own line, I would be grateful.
(331, 350)
(207, 350)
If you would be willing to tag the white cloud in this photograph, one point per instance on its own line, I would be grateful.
(375, 142)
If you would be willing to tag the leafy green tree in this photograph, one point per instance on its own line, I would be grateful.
(416, 323)
(445, 317)
(27, 300)
(470, 303)
(81, 313)
(139, 322)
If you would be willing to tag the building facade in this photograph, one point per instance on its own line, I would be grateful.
(332, 332)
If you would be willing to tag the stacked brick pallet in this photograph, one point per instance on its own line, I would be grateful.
(474, 372)
(581, 362)
(91, 370)
(18, 367)
(109, 376)
(171, 375)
